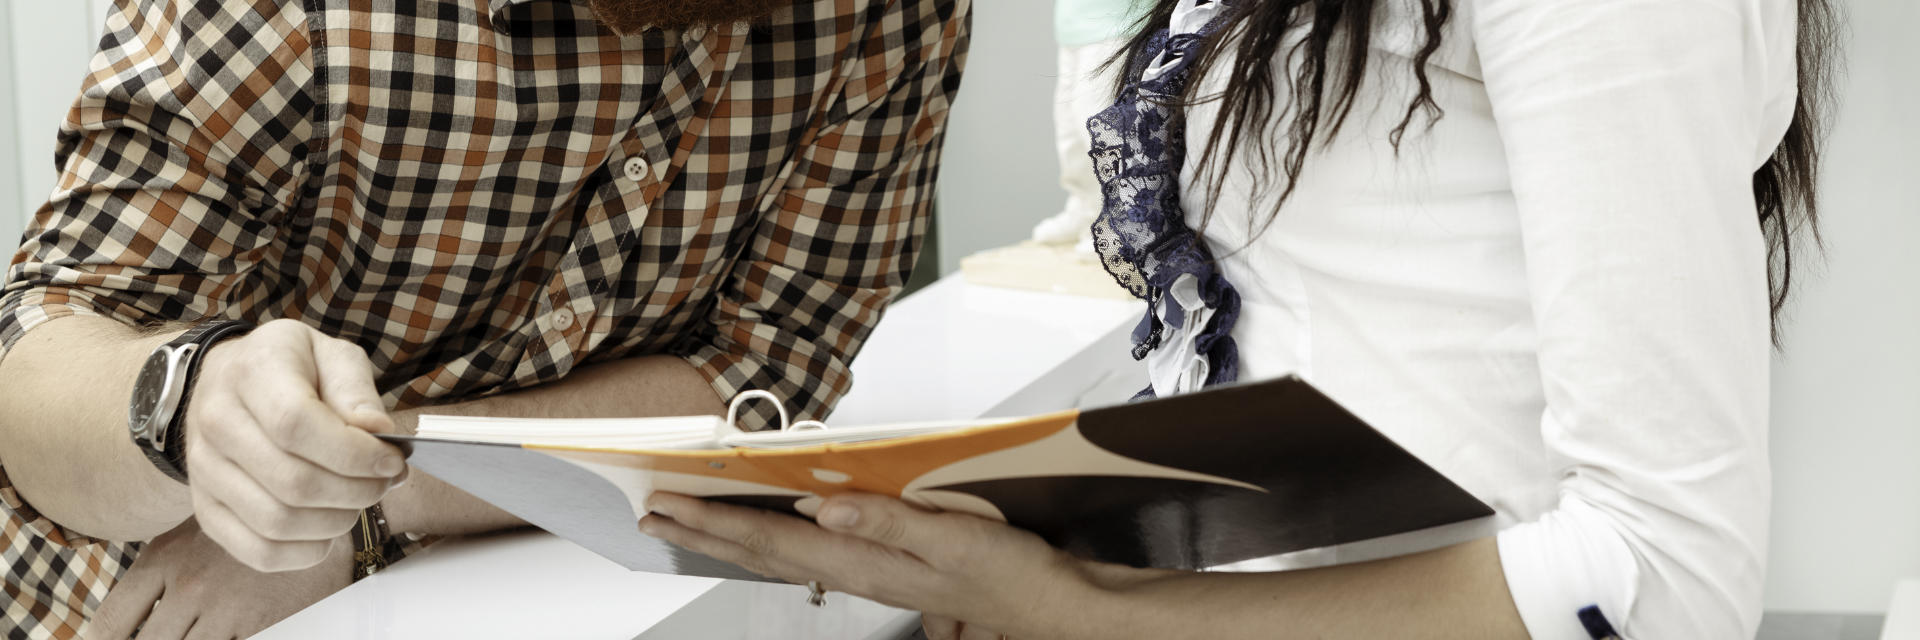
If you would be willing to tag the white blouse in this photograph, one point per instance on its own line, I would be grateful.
(1557, 296)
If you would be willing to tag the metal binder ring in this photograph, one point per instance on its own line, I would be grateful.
(733, 408)
(816, 594)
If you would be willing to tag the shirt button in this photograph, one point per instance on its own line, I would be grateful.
(636, 169)
(563, 319)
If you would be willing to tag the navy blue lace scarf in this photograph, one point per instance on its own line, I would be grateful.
(1138, 150)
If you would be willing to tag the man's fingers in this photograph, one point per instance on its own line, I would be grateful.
(219, 523)
(279, 385)
(269, 516)
(346, 385)
(126, 605)
(305, 427)
(291, 480)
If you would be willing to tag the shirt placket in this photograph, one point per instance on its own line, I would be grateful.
(570, 315)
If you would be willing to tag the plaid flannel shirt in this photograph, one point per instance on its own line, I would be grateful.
(485, 194)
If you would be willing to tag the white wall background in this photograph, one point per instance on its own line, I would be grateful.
(1846, 393)
(1846, 402)
(44, 48)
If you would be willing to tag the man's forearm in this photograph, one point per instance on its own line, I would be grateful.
(65, 446)
(640, 387)
(64, 390)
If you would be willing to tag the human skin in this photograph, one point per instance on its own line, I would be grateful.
(976, 578)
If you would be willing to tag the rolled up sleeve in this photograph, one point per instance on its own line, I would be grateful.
(187, 141)
(170, 180)
(839, 240)
(1633, 130)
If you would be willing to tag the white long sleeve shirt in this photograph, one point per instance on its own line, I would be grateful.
(1557, 296)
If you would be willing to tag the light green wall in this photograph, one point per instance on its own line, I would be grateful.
(44, 49)
(999, 176)
(11, 218)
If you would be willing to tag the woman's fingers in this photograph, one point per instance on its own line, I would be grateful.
(877, 548)
(791, 548)
(207, 629)
(977, 632)
(724, 550)
(756, 530)
(935, 537)
(940, 628)
(168, 622)
(943, 628)
(126, 606)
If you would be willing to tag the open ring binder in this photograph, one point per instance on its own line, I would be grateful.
(1186, 482)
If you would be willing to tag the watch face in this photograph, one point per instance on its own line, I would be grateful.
(147, 389)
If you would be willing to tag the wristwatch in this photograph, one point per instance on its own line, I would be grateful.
(158, 412)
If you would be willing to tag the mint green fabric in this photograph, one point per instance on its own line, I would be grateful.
(1077, 23)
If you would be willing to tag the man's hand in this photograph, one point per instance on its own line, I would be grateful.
(185, 586)
(280, 449)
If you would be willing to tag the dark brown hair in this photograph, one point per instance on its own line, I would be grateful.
(1331, 61)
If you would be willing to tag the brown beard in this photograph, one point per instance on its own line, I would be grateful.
(630, 16)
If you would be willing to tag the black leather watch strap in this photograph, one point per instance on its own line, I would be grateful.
(171, 458)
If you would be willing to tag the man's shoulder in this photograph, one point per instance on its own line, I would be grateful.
(210, 35)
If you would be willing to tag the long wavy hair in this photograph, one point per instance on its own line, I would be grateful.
(1330, 62)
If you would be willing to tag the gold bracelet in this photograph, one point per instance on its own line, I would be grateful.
(370, 542)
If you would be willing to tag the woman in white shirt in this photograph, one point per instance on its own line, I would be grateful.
(1538, 243)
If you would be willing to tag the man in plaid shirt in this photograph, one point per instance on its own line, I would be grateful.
(562, 208)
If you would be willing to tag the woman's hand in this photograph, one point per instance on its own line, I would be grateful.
(184, 585)
(952, 567)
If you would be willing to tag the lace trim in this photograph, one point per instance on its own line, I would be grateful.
(1141, 236)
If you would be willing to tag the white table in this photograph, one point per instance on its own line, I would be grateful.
(1903, 615)
(951, 350)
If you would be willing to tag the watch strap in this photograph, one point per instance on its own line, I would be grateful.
(171, 455)
(163, 461)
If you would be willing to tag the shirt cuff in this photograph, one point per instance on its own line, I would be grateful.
(731, 368)
(1568, 560)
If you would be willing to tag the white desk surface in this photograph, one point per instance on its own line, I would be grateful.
(960, 350)
(522, 585)
(951, 350)
(1903, 615)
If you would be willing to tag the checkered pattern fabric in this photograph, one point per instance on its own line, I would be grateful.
(486, 194)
